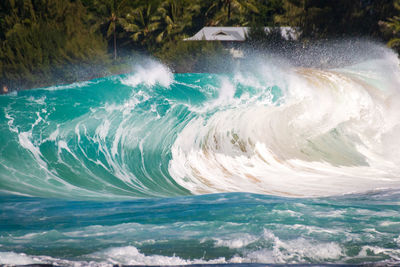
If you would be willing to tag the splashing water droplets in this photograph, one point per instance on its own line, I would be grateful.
(153, 73)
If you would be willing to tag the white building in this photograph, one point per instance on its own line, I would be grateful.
(236, 34)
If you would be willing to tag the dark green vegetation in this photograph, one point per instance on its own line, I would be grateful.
(52, 41)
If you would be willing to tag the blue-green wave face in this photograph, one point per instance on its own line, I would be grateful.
(273, 163)
(114, 137)
(275, 129)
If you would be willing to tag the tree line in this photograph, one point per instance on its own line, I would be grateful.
(54, 41)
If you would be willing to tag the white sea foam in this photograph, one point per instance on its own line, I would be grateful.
(70, 86)
(295, 251)
(150, 74)
(130, 256)
(393, 253)
(236, 242)
(13, 258)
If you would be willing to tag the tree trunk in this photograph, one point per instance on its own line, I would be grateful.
(115, 43)
(229, 10)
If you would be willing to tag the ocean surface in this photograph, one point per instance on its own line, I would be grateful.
(271, 163)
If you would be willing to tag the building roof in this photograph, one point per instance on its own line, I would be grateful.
(235, 34)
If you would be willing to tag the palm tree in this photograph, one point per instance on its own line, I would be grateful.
(112, 10)
(142, 22)
(176, 15)
(393, 24)
(222, 6)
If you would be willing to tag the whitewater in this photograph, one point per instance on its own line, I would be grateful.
(275, 162)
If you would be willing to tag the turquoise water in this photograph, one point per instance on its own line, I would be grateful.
(268, 164)
(218, 228)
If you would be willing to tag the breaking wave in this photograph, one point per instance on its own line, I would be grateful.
(274, 128)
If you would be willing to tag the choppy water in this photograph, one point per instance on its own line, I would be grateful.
(269, 164)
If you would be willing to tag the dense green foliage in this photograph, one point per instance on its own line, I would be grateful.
(336, 18)
(46, 40)
(392, 25)
(49, 41)
(204, 56)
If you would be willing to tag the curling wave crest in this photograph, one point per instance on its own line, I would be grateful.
(333, 131)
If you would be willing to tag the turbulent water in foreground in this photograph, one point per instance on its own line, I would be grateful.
(273, 163)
